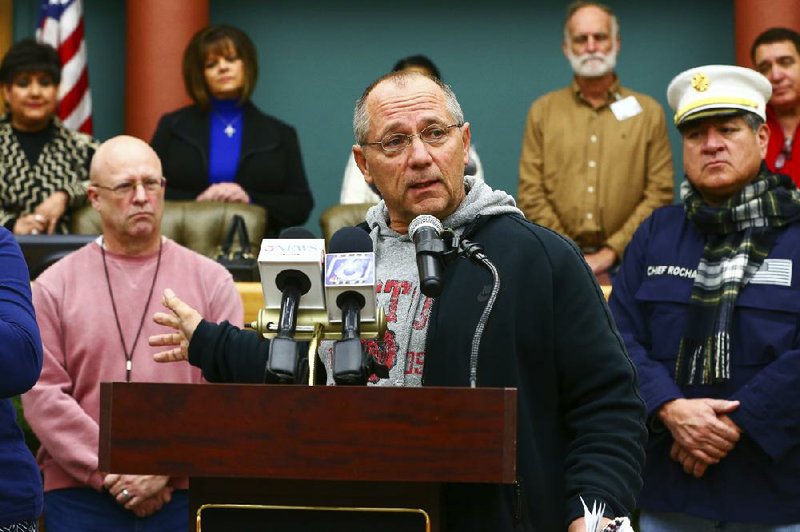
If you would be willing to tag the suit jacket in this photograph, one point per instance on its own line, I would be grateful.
(270, 165)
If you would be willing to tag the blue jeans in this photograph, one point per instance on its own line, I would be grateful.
(667, 522)
(86, 510)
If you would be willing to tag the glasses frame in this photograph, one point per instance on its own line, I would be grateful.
(409, 138)
(135, 184)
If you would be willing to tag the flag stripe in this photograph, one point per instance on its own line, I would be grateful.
(74, 96)
(61, 26)
(71, 44)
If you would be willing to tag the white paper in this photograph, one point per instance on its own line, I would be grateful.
(594, 518)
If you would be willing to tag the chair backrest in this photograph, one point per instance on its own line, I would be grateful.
(198, 225)
(342, 215)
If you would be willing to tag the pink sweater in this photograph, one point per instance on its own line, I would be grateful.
(82, 346)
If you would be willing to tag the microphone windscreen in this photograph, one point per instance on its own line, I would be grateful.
(296, 232)
(424, 220)
(350, 240)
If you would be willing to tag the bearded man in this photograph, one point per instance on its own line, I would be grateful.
(595, 156)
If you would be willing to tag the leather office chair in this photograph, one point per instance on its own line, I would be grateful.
(342, 215)
(198, 225)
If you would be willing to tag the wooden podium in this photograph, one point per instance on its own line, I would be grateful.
(297, 457)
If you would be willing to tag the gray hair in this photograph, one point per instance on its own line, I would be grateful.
(361, 118)
(752, 120)
(580, 4)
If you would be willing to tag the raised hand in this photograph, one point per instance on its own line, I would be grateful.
(184, 319)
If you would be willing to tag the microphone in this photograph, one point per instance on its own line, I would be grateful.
(350, 296)
(424, 231)
(294, 261)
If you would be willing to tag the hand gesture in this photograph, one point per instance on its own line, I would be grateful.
(184, 319)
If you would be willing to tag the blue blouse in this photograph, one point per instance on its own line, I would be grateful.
(225, 142)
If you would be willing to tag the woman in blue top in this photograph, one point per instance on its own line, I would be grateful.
(20, 365)
(223, 148)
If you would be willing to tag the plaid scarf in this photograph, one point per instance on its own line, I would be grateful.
(739, 234)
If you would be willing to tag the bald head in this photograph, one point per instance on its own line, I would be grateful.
(117, 153)
(127, 189)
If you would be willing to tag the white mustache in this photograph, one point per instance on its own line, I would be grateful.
(585, 58)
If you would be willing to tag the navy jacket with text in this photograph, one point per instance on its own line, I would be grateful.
(759, 480)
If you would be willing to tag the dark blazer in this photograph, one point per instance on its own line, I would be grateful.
(270, 165)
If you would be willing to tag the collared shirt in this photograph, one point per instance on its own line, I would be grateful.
(777, 142)
(589, 175)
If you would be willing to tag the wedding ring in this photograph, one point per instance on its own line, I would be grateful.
(34, 231)
(126, 496)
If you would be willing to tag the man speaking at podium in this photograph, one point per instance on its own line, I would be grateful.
(580, 419)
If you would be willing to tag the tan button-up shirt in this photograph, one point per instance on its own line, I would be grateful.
(590, 176)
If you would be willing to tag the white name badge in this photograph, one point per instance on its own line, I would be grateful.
(626, 108)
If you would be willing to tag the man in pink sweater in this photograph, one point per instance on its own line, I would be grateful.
(93, 310)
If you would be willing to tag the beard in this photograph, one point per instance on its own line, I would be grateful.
(593, 65)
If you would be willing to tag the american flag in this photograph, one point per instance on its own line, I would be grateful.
(61, 26)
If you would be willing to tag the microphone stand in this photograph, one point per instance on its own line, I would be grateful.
(473, 251)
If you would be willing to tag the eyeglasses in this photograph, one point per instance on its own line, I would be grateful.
(784, 155)
(125, 189)
(434, 134)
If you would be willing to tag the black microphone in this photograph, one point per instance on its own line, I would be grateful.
(284, 356)
(296, 232)
(425, 231)
(350, 284)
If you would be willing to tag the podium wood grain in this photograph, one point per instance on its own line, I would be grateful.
(299, 432)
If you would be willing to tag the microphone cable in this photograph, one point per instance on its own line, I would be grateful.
(474, 251)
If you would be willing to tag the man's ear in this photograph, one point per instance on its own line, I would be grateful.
(361, 162)
(763, 139)
(466, 136)
(94, 198)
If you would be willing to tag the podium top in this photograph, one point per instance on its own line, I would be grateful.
(312, 433)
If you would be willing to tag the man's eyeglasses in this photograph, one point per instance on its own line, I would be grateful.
(435, 134)
(784, 155)
(125, 189)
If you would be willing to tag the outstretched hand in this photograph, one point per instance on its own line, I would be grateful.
(184, 319)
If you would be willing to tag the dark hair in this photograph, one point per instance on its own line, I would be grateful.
(418, 60)
(28, 55)
(752, 120)
(217, 39)
(773, 35)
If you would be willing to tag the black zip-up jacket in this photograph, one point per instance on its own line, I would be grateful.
(270, 166)
(581, 422)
